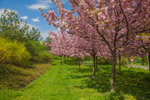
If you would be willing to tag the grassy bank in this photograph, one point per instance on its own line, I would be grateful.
(14, 77)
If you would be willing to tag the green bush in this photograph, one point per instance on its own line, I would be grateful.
(113, 96)
(87, 58)
(43, 57)
(13, 53)
(35, 47)
(103, 60)
(46, 56)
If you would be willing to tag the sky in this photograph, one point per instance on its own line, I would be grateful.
(27, 10)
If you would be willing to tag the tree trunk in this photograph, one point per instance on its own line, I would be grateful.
(79, 62)
(64, 60)
(142, 60)
(96, 62)
(149, 60)
(113, 72)
(93, 75)
(119, 63)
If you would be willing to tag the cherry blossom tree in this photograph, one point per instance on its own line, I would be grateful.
(67, 45)
(114, 21)
(76, 48)
(59, 44)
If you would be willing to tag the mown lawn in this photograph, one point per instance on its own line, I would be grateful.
(66, 82)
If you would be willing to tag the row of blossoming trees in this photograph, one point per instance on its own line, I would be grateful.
(108, 28)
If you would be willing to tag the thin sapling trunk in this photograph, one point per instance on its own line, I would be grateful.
(93, 75)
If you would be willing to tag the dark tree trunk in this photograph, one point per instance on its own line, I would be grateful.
(96, 62)
(142, 60)
(149, 60)
(93, 75)
(113, 72)
(119, 63)
(64, 60)
(79, 63)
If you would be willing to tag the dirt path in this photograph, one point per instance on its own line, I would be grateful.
(143, 67)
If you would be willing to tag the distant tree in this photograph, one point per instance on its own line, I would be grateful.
(34, 34)
(11, 27)
(14, 29)
(48, 40)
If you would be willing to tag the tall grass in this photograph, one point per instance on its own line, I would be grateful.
(14, 77)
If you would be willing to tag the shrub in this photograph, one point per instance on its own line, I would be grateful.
(12, 52)
(46, 56)
(43, 57)
(103, 60)
(35, 47)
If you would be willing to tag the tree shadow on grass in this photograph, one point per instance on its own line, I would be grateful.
(134, 83)
(82, 70)
(131, 82)
(86, 74)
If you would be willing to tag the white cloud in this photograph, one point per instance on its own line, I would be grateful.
(34, 26)
(44, 4)
(35, 19)
(24, 17)
(22, 24)
(49, 1)
(38, 5)
(44, 1)
(2, 11)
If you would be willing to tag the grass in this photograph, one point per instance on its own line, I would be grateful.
(66, 82)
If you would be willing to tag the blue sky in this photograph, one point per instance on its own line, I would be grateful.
(28, 11)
